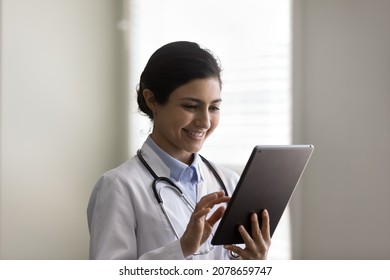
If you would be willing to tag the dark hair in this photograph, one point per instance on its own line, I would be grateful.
(172, 66)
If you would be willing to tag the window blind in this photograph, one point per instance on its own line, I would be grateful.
(252, 40)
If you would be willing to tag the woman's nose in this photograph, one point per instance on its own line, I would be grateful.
(203, 119)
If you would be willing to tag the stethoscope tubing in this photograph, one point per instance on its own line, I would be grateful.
(170, 183)
(158, 179)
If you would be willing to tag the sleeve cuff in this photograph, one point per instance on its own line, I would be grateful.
(171, 251)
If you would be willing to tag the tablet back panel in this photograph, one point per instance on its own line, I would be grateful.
(267, 182)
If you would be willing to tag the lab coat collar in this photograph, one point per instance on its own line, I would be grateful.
(161, 169)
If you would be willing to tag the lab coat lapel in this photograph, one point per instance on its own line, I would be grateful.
(154, 161)
(209, 183)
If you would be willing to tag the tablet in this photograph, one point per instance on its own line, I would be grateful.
(267, 182)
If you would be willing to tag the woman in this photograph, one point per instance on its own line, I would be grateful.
(180, 91)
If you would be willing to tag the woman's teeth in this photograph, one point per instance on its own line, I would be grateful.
(195, 133)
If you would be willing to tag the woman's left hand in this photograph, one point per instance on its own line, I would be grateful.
(256, 248)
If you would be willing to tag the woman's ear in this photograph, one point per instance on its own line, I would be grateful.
(150, 100)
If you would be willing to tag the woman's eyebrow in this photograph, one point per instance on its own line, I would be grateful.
(199, 100)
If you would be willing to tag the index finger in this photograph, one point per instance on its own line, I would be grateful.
(212, 199)
(265, 225)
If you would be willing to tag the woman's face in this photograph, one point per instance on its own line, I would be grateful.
(191, 114)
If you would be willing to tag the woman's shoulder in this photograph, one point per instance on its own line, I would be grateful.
(122, 173)
(123, 168)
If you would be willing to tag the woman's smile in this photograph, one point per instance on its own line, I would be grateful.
(197, 135)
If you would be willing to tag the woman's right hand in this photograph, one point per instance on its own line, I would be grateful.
(199, 228)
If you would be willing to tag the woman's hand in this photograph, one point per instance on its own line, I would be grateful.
(199, 228)
(258, 246)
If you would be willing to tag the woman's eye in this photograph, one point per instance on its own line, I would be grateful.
(190, 106)
(194, 107)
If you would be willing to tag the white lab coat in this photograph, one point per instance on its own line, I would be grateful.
(125, 220)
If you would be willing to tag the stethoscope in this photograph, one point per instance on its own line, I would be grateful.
(171, 184)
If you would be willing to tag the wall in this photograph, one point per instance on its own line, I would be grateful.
(63, 111)
(341, 105)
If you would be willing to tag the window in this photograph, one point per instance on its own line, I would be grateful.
(252, 40)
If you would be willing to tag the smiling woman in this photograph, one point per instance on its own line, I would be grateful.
(180, 91)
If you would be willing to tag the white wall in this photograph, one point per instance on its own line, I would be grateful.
(342, 106)
(63, 112)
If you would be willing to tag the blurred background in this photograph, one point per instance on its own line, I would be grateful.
(294, 72)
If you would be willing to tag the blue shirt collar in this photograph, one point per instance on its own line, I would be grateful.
(177, 168)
